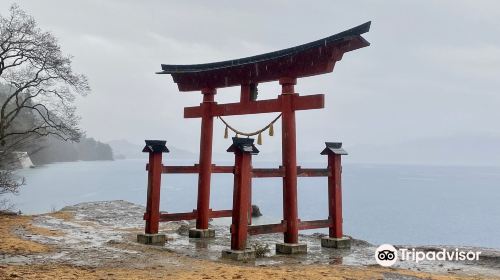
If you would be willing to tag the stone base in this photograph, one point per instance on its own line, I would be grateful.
(337, 243)
(152, 239)
(201, 233)
(291, 248)
(237, 255)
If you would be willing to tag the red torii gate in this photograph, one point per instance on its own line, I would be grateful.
(315, 58)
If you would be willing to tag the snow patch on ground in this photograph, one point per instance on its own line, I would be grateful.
(103, 233)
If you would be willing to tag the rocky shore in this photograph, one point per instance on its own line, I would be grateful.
(96, 240)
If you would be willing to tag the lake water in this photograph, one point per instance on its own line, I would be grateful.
(396, 204)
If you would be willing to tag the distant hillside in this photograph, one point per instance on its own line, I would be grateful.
(52, 149)
(48, 149)
(125, 149)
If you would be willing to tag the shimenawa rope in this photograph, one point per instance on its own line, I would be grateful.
(270, 126)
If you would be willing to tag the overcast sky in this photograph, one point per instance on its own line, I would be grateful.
(432, 69)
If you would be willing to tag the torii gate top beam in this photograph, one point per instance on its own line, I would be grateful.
(309, 59)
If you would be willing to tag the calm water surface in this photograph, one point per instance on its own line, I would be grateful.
(394, 204)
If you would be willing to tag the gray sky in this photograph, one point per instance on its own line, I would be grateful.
(432, 70)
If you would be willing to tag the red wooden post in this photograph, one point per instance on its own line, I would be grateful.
(240, 200)
(290, 209)
(250, 209)
(155, 148)
(207, 124)
(336, 236)
(335, 195)
(245, 93)
(245, 98)
(243, 149)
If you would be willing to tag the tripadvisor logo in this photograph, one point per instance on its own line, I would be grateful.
(387, 255)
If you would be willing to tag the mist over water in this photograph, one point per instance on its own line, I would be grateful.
(396, 204)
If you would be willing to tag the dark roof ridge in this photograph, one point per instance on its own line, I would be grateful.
(355, 31)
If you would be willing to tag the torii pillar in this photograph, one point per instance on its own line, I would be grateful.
(155, 148)
(205, 168)
(289, 154)
(243, 149)
(336, 238)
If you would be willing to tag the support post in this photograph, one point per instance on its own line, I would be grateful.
(336, 239)
(246, 97)
(243, 149)
(245, 93)
(241, 196)
(290, 208)
(205, 173)
(250, 208)
(155, 148)
(335, 195)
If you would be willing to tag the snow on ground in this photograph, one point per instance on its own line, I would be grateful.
(103, 233)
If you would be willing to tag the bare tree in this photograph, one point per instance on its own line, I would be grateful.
(9, 182)
(38, 82)
(43, 82)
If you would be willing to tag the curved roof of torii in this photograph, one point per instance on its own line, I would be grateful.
(309, 59)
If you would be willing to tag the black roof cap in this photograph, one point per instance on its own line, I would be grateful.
(355, 31)
(155, 146)
(244, 145)
(334, 148)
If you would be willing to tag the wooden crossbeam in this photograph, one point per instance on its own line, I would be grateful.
(276, 228)
(256, 172)
(303, 225)
(312, 172)
(195, 169)
(280, 172)
(265, 229)
(222, 169)
(307, 102)
(252, 230)
(178, 169)
(221, 213)
(268, 172)
(169, 217)
(181, 169)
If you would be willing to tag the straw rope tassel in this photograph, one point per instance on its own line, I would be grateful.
(270, 126)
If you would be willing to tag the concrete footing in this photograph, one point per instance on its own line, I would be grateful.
(291, 248)
(337, 243)
(152, 239)
(201, 233)
(239, 255)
